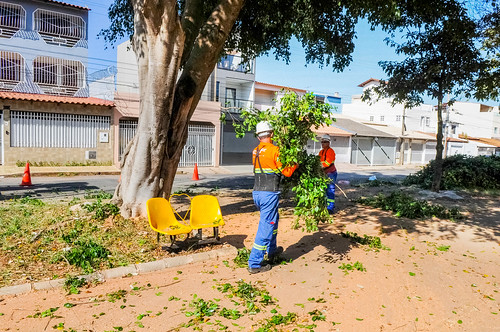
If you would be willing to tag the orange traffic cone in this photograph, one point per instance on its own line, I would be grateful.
(26, 177)
(195, 173)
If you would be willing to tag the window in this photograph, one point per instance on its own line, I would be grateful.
(382, 118)
(372, 117)
(50, 130)
(398, 118)
(422, 121)
(495, 130)
(230, 97)
(12, 19)
(11, 67)
(59, 28)
(60, 72)
(453, 129)
(427, 121)
(217, 90)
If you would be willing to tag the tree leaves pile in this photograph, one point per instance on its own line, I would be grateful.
(293, 124)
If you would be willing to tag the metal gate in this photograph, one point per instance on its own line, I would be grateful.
(199, 148)
(127, 132)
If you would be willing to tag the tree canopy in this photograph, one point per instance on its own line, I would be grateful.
(192, 35)
(441, 57)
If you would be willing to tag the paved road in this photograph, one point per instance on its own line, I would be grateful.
(52, 187)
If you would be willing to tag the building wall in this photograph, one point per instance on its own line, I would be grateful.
(474, 120)
(383, 112)
(57, 155)
(30, 45)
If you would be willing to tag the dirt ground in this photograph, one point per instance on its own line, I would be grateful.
(414, 286)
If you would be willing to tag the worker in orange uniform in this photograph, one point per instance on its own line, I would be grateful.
(327, 158)
(267, 170)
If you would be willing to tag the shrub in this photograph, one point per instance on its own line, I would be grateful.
(404, 205)
(461, 171)
(87, 255)
(102, 211)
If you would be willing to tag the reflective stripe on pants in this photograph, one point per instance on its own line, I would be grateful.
(330, 191)
(265, 239)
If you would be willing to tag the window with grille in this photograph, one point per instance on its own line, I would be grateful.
(58, 76)
(398, 118)
(11, 67)
(382, 118)
(59, 28)
(12, 19)
(52, 130)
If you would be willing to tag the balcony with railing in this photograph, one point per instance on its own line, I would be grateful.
(59, 28)
(235, 105)
(57, 76)
(235, 63)
(12, 19)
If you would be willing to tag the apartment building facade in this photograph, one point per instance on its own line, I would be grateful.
(45, 110)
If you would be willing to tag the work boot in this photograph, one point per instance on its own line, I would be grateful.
(275, 255)
(263, 268)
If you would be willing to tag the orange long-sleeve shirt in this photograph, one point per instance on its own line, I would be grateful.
(327, 158)
(269, 160)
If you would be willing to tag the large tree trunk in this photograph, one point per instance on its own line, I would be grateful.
(162, 42)
(438, 170)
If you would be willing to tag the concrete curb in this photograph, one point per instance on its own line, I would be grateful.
(123, 271)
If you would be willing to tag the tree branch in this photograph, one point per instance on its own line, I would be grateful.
(191, 21)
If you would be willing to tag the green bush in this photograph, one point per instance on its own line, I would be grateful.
(87, 255)
(462, 172)
(404, 205)
(102, 211)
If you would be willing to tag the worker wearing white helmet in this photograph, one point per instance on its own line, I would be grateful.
(267, 170)
(327, 158)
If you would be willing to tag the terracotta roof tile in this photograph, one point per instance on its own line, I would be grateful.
(56, 99)
(263, 86)
(67, 4)
(333, 131)
(450, 139)
(490, 141)
(369, 81)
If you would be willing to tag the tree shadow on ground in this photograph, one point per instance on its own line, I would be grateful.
(236, 240)
(483, 214)
(47, 190)
(337, 246)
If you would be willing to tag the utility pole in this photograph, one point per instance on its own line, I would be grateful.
(446, 125)
(402, 146)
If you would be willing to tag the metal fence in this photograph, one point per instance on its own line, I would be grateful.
(199, 148)
(53, 130)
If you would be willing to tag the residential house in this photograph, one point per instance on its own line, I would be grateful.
(421, 118)
(229, 88)
(46, 112)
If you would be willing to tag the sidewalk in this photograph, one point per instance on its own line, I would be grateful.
(14, 171)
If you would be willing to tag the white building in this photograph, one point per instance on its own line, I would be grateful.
(461, 120)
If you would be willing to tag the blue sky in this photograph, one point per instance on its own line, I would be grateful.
(370, 49)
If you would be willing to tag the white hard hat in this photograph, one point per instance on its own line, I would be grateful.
(325, 137)
(263, 128)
